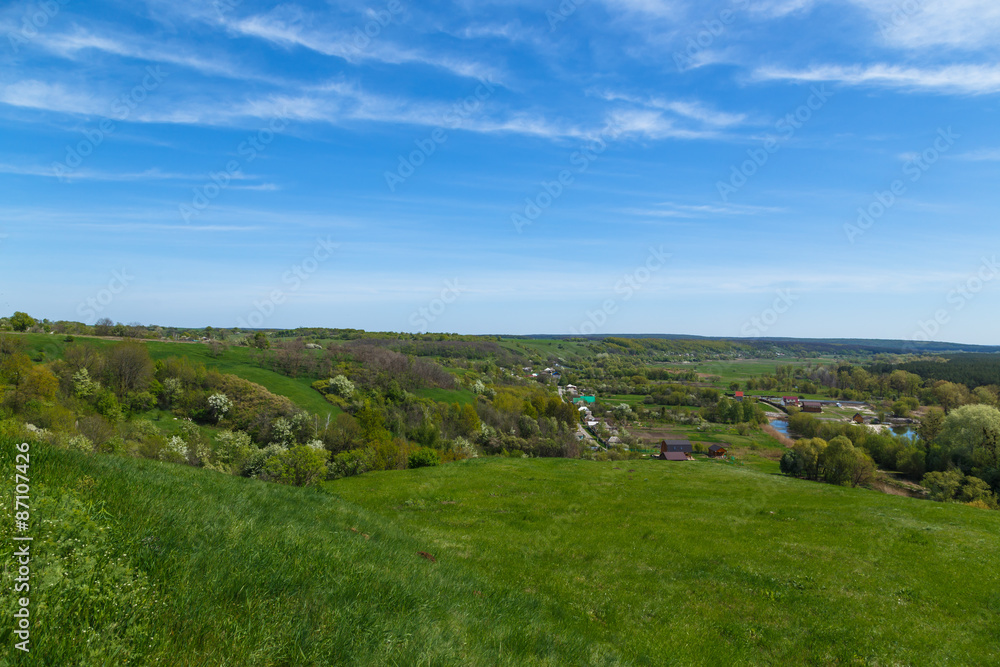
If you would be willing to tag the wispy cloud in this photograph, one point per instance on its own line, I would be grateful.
(96, 175)
(981, 155)
(284, 27)
(77, 44)
(963, 79)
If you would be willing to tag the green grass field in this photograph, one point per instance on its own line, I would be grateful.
(460, 396)
(537, 561)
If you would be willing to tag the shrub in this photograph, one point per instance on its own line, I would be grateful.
(423, 458)
(298, 466)
(351, 463)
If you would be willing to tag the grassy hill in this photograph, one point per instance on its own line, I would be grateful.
(234, 360)
(537, 561)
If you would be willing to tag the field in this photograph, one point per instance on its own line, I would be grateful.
(536, 561)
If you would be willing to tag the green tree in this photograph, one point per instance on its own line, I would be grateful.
(930, 426)
(973, 431)
(260, 341)
(21, 321)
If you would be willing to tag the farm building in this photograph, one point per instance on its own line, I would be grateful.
(673, 456)
(812, 406)
(738, 396)
(858, 418)
(716, 450)
(683, 446)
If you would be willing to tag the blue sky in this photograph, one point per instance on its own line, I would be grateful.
(736, 168)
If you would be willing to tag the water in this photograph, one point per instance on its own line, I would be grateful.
(905, 431)
(781, 426)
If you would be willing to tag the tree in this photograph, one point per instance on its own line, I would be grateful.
(104, 327)
(973, 430)
(220, 405)
(950, 395)
(260, 341)
(129, 368)
(21, 321)
(811, 451)
(341, 386)
(930, 426)
(792, 463)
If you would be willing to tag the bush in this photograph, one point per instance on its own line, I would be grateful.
(423, 458)
(298, 466)
(351, 463)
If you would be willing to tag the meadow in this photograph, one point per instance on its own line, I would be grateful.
(497, 561)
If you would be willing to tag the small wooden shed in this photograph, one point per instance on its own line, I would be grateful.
(716, 451)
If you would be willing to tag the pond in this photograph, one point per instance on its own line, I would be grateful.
(905, 431)
(781, 426)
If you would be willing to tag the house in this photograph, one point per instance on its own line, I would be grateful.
(716, 451)
(673, 456)
(738, 396)
(571, 388)
(790, 400)
(858, 418)
(682, 446)
(614, 440)
(812, 406)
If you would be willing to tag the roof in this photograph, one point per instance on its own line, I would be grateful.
(715, 448)
(739, 393)
(675, 442)
(673, 456)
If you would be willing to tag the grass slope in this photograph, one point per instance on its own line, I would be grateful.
(707, 563)
(137, 562)
(546, 562)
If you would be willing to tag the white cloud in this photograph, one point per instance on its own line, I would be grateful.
(35, 94)
(964, 79)
(918, 24)
(284, 27)
(981, 155)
